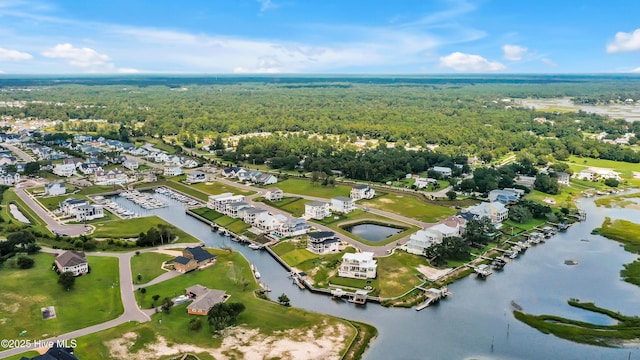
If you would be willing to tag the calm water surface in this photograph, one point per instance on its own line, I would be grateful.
(476, 321)
(373, 232)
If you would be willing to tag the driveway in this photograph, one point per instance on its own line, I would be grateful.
(45, 215)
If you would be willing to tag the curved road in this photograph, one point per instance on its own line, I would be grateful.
(45, 215)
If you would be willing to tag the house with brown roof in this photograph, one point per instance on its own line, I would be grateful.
(72, 261)
(192, 258)
(204, 299)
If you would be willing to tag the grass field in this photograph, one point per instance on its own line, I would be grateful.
(215, 188)
(624, 168)
(410, 207)
(292, 205)
(207, 213)
(305, 187)
(523, 227)
(564, 199)
(52, 202)
(36, 222)
(619, 201)
(131, 228)
(148, 265)
(94, 299)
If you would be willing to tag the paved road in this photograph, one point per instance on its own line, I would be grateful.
(21, 154)
(52, 224)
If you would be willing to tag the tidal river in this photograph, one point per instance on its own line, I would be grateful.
(476, 322)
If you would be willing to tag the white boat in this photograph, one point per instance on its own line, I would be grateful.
(256, 274)
(254, 246)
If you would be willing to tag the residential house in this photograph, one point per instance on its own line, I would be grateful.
(264, 179)
(110, 177)
(72, 261)
(267, 222)
(342, 204)
(55, 352)
(73, 161)
(495, 211)
(131, 164)
(421, 183)
(55, 188)
(362, 192)
(323, 242)
(219, 202)
(7, 160)
(358, 265)
(292, 227)
(317, 210)
(423, 239)
(89, 212)
(9, 179)
(585, 174)
(250, 214)
(233, 209)
(89, 168)
(172, 170)
(274, 194)
(64, 170)
(506, 196)
(230, 171)
(204, 299)
(526, 181)
(196, 177)
(190, 163)
(563, 178)
(192, 258)
(443, 171)
(69, 206)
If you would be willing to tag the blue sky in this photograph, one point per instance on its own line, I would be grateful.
(313, 36)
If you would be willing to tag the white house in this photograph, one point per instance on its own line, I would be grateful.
(506, 196)
(563, 178)
(89, 212)
(54, 188)
(219, 202)
(70, 205)
(443, 171)
(585, 174)
(292, 227)
(323, 242)
(131, 164)
(264, 179)
(89, 168)
(421, 183)
(9, 179)
(233, 209)
(196, 177)
(342, 204)
(72, 261)
(274, 194)
(362, 192)
(64, 170)
(267, 222)
(317, 210)
(249, 214)
(495, 211)
(172, 171)
(358, 266)
(110, 177)
(421, 240)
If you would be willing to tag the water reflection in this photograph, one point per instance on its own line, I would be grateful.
(476, 321)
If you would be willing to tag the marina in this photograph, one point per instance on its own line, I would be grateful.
(144, 200)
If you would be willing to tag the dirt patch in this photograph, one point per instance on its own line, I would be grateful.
(386, 201)
(169, 252)
(636, 174)
(324, 342)
(433, 273)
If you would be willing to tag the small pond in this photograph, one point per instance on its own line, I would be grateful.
(373, 232)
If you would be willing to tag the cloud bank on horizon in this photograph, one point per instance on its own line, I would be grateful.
(277, 36)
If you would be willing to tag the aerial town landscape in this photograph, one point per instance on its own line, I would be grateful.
(273, 212)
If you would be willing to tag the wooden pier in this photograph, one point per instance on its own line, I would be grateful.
(433, 295)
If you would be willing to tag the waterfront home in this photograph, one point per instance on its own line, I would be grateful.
(342, 204)
(274, 194)
(495, 211)
(292, 227)
(421, 240)
(317, 210)
(64, 170)
(192, 258)
(219, 202)
(506, 196)
(563, 178)
(72, 261)
(358, 266)
(69, 206)
(194, 177)
(131, 164)
(233, 209)
(267, 222)
(204, 299)
(443, 171)
(323, 242)
(89, 212)
(55, 188)
(173, 170)
(249, 214)
(110, 177)
(585, 174)
(362, 192)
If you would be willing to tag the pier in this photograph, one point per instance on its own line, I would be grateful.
(433, 295)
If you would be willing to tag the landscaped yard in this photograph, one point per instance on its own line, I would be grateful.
(506, 225)
(292, 205)
(624, 168)
(94, 299)
(147, 264)
(53, 202)
(131, 228)
(207, 213)
(215, 188)
(305, 187)
(409, 206)
(564, 199)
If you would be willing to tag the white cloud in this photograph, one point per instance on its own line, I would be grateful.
(80, 57)
(128, 71)
(514, 52)
(267, 5)
(469, 63)
(636, 70)
(14, 55)
(548, 61)
(624, 42)
(2, 72)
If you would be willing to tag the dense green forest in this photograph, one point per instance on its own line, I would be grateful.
(464, 116)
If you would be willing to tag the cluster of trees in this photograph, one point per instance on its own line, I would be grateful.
(18, 242)
(223, 315)
(525, 210)
(157, 235)
(478, 233)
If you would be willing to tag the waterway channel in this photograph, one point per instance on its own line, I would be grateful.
(476, 322)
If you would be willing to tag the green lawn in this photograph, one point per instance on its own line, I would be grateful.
(36, 222)
(523, 227)
(624, 168)
(409, 206)
(94, 299)
(215, 188)
(305, 187)
(564, 199)
(298, 256)
(292, 205)
(207, 213)
(131, 228)
(53, 202)
(148, 265)
(398, 273)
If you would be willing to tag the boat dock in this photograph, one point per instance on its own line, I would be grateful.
(433, 295)
(482, 270)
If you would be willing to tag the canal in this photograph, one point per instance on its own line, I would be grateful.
(476, 322)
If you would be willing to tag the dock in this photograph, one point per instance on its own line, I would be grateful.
(483, 270)
(433, 295)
